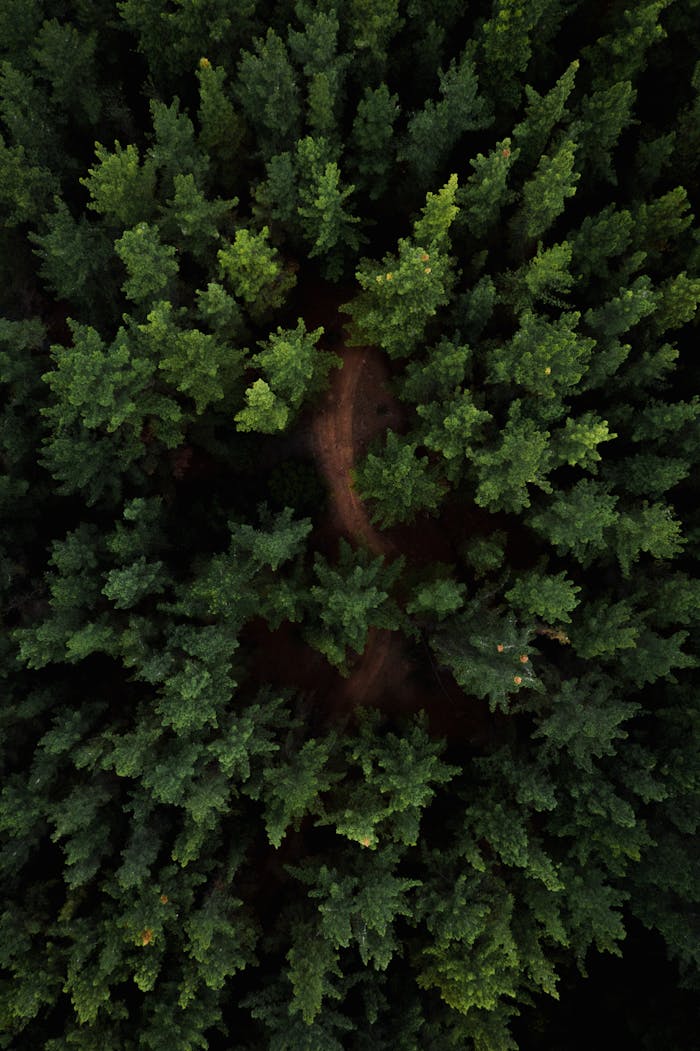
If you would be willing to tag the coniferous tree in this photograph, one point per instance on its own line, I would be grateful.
(219, 822)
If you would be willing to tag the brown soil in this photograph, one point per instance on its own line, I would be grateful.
(391, 673)
(357, 407)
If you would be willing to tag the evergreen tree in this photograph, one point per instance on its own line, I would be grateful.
(485, 192)
(371, 155)
(398, 483)
(349, 599)
(397, 302)
(268, 91)
(542, 115)
(294, 370)
(220, 822)
(546, 192)
(506, 42)
(255, 271)
(433, 131)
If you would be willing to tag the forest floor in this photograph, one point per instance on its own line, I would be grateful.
(393, 673)
(357, 407)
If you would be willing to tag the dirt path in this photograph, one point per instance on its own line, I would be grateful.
(357, 407)
(338, 436)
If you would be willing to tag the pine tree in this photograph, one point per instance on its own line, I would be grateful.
(622, 54)
(372, 154)
(506, 43)
(486, 193)
(551, 597)
(121, 188)
(435, 130)
(398, 483)
(546, 192)
(576, 521)
(347, 600)
(293, 366)
(326, 222)
(75, 257)
(373, 26)
(504, 469)
(487, 651)
(604, 115)
(25, 189)
(546, 358)
(151, 266)
(221, 129)
(268, 91)
(398, 778)
(66, 59)
(173, 39)
(542, 115)
(315, 50)
(174, 150)
(255, 271)
(403, 293)
(193, 221)
(453, 427)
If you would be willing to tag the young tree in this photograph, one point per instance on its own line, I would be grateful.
(401, 295)
(436, 599)
(371, 157)
(433, 131)
(256, 272)
(546, 192)
(348, 599)
(373, 26)
(263, 411)
(399, 483)
(542, 115)
(267, 89)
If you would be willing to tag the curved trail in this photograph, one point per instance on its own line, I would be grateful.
(347, 419)
(335, 446)
(357, 407)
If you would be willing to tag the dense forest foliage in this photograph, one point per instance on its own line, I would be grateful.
(267, 781)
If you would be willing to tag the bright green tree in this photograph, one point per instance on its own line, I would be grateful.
(400, 295)
(398, 483)
(347, 600)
